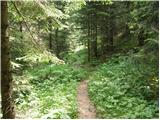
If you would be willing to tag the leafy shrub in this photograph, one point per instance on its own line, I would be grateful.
(52, 92)
(123, 88)
(78, 57)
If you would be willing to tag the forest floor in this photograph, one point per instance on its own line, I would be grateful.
(86, 110)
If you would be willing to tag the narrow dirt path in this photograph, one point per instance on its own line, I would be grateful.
(85, 108)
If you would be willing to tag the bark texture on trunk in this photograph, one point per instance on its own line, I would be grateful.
(6, 78)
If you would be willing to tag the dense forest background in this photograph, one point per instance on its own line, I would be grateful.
(54, 45)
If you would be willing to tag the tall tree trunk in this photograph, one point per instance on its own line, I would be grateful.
(127, 30)
(57, 44)
(50, 41)
(103, 27)
(111, 27)
(111, 35)
(6, 79)
(88, 42)
(50, 35)
(95, 39)
(107, 30)
(91, 36)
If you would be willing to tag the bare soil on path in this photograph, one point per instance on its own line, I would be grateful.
(86, 109)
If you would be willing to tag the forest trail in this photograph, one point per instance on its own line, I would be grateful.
(85, 108)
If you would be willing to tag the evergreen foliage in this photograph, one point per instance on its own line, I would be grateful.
(57, 44)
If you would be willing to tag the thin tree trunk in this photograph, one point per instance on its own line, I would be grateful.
(21, 29)
(50, 41)
(94, 36)
(111, 27)
(50, 35)
(127, 30)
(103, 38)
(88, 37)
(111, 36)
(107, 29)
(6, 79)
(95, 42)
(141, 37)
(57, 44)
(91, 36)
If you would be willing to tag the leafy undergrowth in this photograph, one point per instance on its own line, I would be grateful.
(77, 57)
(50, 92)
(125, 87)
